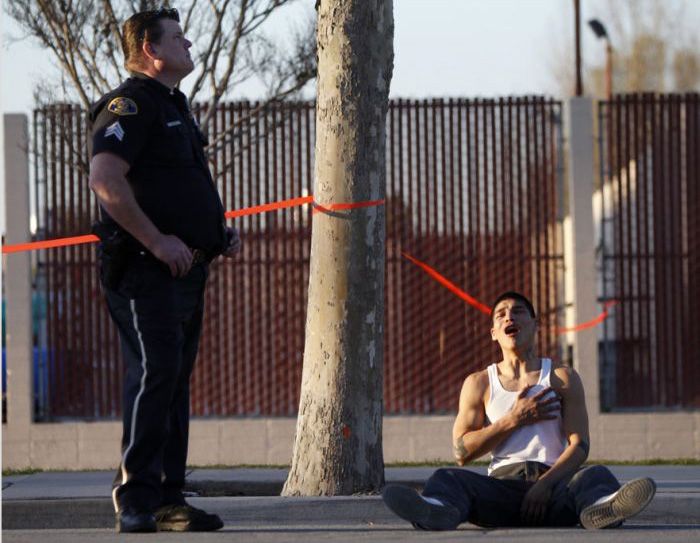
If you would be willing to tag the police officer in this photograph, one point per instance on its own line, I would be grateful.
(162, 223)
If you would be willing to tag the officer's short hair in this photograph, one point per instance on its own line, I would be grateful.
(512, 295)
(141, 27)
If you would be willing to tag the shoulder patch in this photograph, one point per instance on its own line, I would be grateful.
(123, 106)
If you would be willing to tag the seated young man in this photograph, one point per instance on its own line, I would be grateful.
(530, 414)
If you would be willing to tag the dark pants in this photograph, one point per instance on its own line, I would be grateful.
(494, 501)
(159, 320)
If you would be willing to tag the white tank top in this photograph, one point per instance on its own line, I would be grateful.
(541, 442)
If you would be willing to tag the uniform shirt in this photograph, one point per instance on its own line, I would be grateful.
(152, 129)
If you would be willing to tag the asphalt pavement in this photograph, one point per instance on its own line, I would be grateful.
(76, 507)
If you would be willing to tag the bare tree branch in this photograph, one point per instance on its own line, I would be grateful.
(220, 88)
(85, 39)
(225, 136)
(111, 28)
(188, 17)
(205, 57)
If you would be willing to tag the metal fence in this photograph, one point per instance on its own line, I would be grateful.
(649, 238)
(473, 189)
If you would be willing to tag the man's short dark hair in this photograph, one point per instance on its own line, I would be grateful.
(141, 27)
(512, 295)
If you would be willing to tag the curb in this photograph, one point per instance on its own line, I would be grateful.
(274, 511)
(218, 489)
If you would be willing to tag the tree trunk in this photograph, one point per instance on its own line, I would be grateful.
(338, 444)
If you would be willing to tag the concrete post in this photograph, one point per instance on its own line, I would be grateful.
(18, 284)
(580, 250)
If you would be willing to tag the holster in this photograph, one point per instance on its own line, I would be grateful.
(114, 251)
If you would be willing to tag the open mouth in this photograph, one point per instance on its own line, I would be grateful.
(511, 330)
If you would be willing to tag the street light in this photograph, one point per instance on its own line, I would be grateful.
(602, 34)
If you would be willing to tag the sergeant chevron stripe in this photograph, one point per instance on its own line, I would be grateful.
(116, 130)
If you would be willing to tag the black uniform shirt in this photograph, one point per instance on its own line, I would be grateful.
(152, 129)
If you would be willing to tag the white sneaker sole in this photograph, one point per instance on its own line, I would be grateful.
(632, 498)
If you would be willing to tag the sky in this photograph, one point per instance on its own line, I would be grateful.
(443, 48)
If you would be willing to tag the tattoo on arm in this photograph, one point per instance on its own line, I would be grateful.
(585, 447)
(459, 449)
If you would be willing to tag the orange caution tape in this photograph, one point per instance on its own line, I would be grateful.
(591, 323)
(49, 243)
(264, 208)
(293, 202)
(318, 208)
(269, 207)
(487, 310)
(449, 285)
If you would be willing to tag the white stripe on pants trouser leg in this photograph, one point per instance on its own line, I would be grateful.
(125, 475)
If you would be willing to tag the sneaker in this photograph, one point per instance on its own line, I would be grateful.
(130, 520)
(409, 505)
(185, 518)
(610, 511)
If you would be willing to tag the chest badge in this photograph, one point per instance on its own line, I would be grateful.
(123, 106)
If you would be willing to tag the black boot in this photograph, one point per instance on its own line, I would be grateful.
(185, 518)
(130, 520)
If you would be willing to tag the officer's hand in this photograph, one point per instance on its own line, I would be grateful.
(172, 251)
(234, 242)
(542, 406)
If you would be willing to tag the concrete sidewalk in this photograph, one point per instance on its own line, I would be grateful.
(245, 496)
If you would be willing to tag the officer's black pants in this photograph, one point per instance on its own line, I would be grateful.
(495, 501)
(159, 320)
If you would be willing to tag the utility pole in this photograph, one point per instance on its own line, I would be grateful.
(577, 29)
